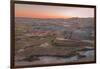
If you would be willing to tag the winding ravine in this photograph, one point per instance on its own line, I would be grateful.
(85, 55)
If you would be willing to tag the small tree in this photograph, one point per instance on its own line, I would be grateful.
(67, 34)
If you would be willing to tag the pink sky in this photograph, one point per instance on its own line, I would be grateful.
(44, 11)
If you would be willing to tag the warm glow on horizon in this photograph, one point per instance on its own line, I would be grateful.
(38, 15)
(44, 11)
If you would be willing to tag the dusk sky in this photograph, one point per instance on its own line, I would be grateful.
(44, 11)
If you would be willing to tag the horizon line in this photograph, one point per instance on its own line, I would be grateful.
(51, 18)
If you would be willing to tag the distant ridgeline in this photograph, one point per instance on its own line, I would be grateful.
(72, 28)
